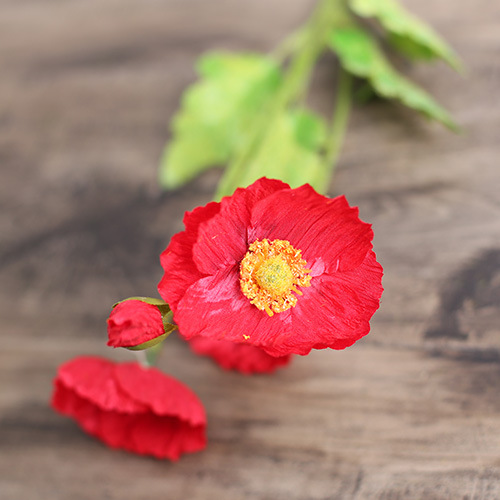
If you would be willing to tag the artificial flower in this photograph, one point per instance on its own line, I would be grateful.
(286, 270)
(134, 322)
(130, 407)
(243, 358)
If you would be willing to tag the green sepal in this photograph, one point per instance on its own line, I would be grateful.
(360, 54)
(150, 343)
(407, 33)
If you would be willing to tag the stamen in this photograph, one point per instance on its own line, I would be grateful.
(267, 309)
(270, 273)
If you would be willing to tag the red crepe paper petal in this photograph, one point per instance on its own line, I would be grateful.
(243, 358)
(201, 265)
(133, 322)
(129, 407)
(218, 301)
(222, 239)
(323, 228)
(164, 395)
(92, 378)
(178, 257)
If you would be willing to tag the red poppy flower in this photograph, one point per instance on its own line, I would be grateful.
(286, 270)
(130, 407)
(243, 358)
(134, 322)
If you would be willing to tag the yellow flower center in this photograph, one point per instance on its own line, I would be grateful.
(270, 273)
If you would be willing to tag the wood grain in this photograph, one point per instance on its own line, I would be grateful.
(412, 411)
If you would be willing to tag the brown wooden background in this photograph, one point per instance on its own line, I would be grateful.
(412, 411)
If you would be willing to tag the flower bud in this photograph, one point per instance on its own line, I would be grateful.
(137, 324)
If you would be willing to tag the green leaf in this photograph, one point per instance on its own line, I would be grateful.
(410, 49)
(290, 148)
(407, 33)
(309, 129)
(360, 55)
(216, 113)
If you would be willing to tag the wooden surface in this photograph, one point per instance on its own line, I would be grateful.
(412, 411)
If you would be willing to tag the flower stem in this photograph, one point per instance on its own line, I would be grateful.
(305, 47)
(142, 359)
(338, 126)
(149, 357)
(153, 353)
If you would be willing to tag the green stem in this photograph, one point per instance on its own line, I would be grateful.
(295, 83)
(338, 126)
(296, 76)
(289, 45)
(153, 353)
(149, 357)
(142, 359)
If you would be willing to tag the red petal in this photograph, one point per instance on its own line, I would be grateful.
(177, 258)
(165, 437)
(66, 401)
(322, 228)
(132, 426)
(142, 433)
(162, 394)
(108, 425)
(243, 358)
(215, 307)
(335, 311)
(92, 378)
(222, 240)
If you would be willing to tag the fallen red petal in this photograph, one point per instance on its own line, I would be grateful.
(122, 405)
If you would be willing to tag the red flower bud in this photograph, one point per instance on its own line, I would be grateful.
(133, 322)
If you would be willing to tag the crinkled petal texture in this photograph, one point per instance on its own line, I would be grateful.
(129, 407)
(201, 282)
(133, 322)
(243, 358)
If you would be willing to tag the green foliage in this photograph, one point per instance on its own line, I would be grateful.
(247, 111)
(290, 150)
(407, 33)
(217, 113)
(361, 55)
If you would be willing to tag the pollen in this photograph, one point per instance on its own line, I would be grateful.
(270, 274)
